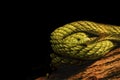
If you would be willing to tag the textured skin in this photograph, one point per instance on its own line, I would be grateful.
(83, 40)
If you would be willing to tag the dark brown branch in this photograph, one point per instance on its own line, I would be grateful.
(107, 68)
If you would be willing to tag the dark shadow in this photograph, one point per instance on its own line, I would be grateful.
(66, 70)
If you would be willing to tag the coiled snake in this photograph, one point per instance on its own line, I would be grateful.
(83, 40)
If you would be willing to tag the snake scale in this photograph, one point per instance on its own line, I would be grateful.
(83, 40)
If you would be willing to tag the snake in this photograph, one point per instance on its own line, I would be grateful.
(77, 41)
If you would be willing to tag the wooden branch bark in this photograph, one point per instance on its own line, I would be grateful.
(106, 68)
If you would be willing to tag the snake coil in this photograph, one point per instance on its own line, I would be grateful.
(82, 40)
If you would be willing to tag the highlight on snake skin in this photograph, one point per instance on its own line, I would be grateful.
(83, 40)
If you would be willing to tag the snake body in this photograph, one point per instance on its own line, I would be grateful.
(83, 40)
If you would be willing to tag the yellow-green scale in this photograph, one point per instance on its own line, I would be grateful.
(74, 41)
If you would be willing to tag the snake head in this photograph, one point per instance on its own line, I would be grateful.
(76, 39)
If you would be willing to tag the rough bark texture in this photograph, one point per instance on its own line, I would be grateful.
(106, 68)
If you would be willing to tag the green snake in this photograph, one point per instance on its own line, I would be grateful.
(83, 40)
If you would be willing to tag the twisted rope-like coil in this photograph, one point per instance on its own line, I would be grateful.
(83, 40)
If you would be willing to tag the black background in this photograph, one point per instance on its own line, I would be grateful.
(36, 35)
(29, 25)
